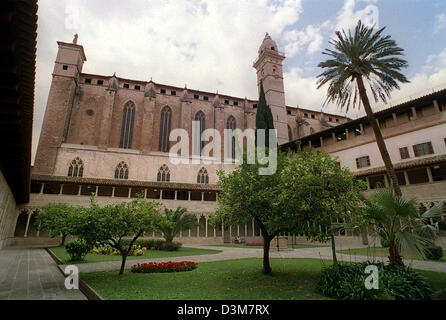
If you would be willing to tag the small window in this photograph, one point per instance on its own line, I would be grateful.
(288, 111)
(235, 103)
(205, 98)
(337, 120)
(330, 119)
(163, 91)
(423, 149)
(163, 174)
(65, 67)
(87, 80)
(226, 101)
(100, 82)
(137, 87)
(306, 115)
(254, 105)
(363, 162)
(173, 93)
(313, 116)
(126, 85)
(404, 152)
(196, 96)
(122, 171)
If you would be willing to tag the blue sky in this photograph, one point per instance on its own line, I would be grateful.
(210, 44)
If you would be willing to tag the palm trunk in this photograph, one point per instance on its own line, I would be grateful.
(379, 138)
(394, 255)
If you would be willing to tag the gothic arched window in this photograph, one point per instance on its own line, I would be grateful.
(231, 124)
(203, 176)
(166, 116)
(163, 174)
(128, 119)
(76, 168)
(122, 171)
(199, 116)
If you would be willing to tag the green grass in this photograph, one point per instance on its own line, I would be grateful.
(384, 252)
(294, 246)
(231, 279)
(292, 279)
(61, 253)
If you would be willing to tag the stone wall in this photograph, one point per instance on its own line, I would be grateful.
(8, 213)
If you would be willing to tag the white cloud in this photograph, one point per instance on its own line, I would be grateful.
(347, 17)
(295, 40)
(440, 22)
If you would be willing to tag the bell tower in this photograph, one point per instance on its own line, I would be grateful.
(269, 72)
(64, 88)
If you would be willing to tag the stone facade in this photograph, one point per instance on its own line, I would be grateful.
(8, 213)
(87, 122)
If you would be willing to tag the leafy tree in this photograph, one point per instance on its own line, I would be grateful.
(57, 219)
(264, 117)
(109, 225)
(398, 222)
(174, 221)
(370, 56)
(247, 195)
(320, 190)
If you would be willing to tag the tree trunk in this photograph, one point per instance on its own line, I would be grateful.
(124, 258)
(64, 236)
(394, 255)
(379, 138)
(365, 239)
(266, 266)
(333, 250)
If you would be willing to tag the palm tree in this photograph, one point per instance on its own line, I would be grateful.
(173, 221)
(398, 222)
(370, 56)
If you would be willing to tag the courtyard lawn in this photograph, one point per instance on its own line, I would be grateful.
(293, 279)
(293, 246)
(384, 252)
(62, 254)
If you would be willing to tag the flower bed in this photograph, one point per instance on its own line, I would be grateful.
(254, 243)
(153, 267)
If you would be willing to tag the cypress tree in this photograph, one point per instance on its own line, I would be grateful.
(264, 117)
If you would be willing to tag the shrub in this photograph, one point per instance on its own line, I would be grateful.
(442, 225)
(153, 244)
(346, 281)
(434, 253)
(174, 246)
(136, 250)
(162, 267)
(77, 249)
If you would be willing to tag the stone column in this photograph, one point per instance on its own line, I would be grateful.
(29, 212)
(61, 189)
(406, 177)
(206, 218)
(429, 174)
(414, 113)
(238, 230)
(246, 229)
(113, 192)
(321, 140)
(253, 230)
(395, 121)
(436, 106)
(368, 182)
